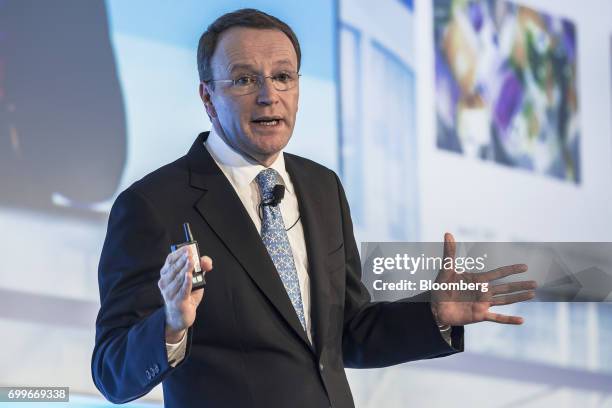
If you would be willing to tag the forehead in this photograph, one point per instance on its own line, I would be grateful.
(255, 48)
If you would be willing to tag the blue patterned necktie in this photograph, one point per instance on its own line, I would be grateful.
(275, 239)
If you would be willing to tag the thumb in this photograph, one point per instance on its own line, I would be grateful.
(206, 263)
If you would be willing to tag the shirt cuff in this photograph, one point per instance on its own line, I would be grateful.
(445, 331)
(176, 351)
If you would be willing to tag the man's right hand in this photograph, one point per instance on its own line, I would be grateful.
(175, 285)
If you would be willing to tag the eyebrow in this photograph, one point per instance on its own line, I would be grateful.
(249, 67)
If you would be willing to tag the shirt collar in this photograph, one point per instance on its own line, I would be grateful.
(240, 169)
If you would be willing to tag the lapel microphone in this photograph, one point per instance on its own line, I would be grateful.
(278, 192)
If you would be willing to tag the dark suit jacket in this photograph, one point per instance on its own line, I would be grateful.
(246, 347)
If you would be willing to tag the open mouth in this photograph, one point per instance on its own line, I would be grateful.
(268, 121)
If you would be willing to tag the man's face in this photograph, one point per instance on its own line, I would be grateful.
(238, 118)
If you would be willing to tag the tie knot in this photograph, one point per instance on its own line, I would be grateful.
(266, 180)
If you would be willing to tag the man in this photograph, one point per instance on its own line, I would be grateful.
(284, 311)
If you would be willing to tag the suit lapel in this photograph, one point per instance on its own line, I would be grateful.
(222, 209)
(311, 210)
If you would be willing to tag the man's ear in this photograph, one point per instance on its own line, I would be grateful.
(205, 96)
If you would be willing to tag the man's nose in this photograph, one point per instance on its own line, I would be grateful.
(267, 94)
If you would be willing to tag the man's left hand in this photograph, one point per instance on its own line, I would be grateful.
(460, 307)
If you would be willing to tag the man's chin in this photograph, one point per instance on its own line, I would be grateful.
(270, 148)
(270, 143)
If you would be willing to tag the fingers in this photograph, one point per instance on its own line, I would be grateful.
(170, 270)
(174, 258)
(514, 298)
(179, 280)
(185, 289)
(450, 247)
(176, 255)
(512, 287)
(176, 266)
(503, 272)
(503, 319)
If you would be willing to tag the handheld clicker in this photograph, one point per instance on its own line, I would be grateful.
(198, 280)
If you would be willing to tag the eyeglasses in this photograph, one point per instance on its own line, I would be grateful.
(249, 83)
